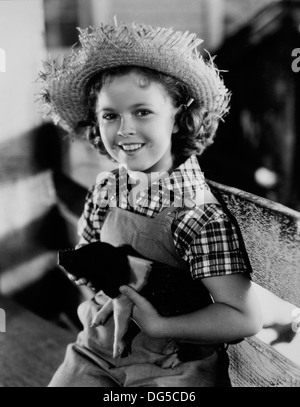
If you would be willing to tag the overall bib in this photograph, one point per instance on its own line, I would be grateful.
(89, 361)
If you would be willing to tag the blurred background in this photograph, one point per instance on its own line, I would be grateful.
(44, 176)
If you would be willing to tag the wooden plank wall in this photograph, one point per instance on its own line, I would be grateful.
(31, 228)
(26, 192)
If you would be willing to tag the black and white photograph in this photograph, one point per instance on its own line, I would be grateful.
(150, 196)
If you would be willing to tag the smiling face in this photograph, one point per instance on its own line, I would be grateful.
(136, 120)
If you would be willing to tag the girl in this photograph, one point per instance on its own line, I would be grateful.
(147, 98)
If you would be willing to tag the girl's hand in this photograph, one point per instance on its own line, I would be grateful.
(144, 314)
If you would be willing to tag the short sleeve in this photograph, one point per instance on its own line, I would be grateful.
(92, 218)
(216, 249)
(209, 240)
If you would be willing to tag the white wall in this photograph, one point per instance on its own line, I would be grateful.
(187, 15)
(21, 39)
(26, 193)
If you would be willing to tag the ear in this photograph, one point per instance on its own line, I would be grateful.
(175, 128)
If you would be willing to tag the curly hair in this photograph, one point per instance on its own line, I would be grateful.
(197, 126)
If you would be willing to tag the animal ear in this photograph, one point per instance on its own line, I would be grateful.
(139, 272)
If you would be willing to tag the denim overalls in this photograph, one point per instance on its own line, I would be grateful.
(89, 361)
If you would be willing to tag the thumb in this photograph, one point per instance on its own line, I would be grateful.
(132, 295)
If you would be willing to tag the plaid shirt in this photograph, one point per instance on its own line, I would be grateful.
(203, 235)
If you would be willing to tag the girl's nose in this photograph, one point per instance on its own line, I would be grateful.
(126, 128)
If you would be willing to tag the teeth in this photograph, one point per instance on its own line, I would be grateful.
(131, 147)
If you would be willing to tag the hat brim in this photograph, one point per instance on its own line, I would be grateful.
(67, 85)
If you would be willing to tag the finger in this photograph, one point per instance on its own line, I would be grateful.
(171, 362)
(71, 277)
(103, 314)
(122, 313)
(133, 295)
(167, 364)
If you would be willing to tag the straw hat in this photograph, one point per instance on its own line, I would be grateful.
(65, 83)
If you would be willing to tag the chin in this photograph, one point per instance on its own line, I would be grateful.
(138, 165)
(138, 168)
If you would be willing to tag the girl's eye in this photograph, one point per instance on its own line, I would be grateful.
(109, 116)
(143, 112)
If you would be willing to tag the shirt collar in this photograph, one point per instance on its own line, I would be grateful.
(182, 183)
(188, 176)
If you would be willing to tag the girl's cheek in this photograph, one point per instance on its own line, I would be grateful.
(110, 128)
(108, 143)
(106, 132)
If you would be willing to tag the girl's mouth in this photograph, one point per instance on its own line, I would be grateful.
(131, 148)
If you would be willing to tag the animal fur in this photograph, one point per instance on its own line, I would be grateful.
(171, 291)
